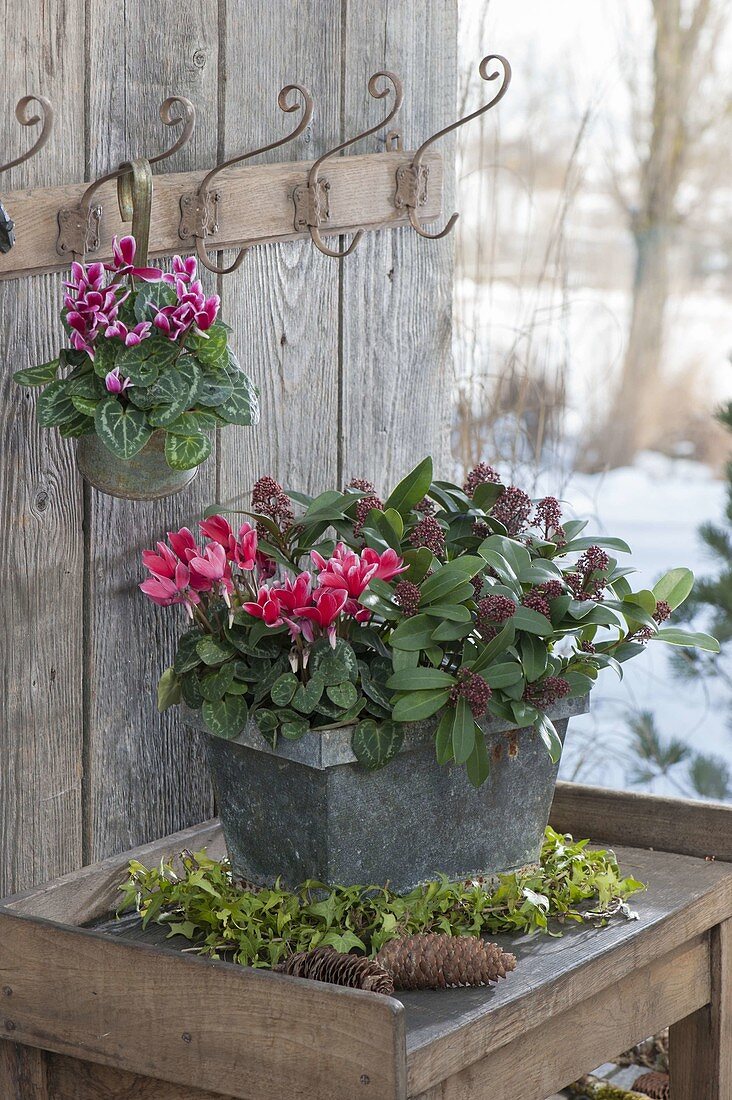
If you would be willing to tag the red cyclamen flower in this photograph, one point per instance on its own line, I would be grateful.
(115, 383)
(124, 255)
(240, 549)
(130, 337)
(266, 608)
(327, 605)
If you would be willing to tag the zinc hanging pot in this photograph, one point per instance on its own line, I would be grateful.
(146, 476)
(308, 810)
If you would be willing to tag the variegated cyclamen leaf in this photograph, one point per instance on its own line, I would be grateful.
(242, 406)
(216, 387)
(227, 717)
(105, 356)
(77, 425)
(150, 297)
(183, 452)
(191, 422)
(85, 405)
(37, 376)
(174, 392)
(374, 744)
(123, 431)
(133, 364)
(210, 347)
(55, 405)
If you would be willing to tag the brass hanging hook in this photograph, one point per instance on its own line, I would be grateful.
(79, 225)
(412, 178)
(7, 236)
(311, 199)
(199, 209)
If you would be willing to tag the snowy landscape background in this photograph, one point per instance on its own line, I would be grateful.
(544, 294)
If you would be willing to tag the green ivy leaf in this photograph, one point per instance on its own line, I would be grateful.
(214, 685)
(294, 728)
(210, 347)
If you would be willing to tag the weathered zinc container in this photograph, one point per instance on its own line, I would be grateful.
(308, 810)
(146, 476)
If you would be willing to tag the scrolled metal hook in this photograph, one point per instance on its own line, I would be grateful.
(199, 214)
(311, 200)
(7, 225)
(23, 117)
(79, 225)
(412, 179)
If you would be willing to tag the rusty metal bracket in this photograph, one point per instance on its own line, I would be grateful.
(312, 207)
(411, 189)
(78, 229)
(199, 214)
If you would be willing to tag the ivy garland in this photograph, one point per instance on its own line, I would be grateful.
(198, 898)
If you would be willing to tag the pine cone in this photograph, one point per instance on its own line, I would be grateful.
(655, 1085)
(434, 960)
(325, 964)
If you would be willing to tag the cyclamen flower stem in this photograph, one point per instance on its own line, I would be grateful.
(201, 616)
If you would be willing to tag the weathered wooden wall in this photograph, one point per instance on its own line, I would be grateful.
(352, 360)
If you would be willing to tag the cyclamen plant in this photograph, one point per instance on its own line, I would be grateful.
(439, 602)
(147, 353)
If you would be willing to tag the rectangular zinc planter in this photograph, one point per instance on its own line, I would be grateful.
(308, 810)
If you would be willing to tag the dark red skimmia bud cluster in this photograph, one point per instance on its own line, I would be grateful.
(473, 688)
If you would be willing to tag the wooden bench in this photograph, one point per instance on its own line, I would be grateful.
(107, 1013)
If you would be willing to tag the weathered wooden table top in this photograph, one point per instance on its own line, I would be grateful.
(675, 884)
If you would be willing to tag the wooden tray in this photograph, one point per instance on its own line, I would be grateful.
(116, 1013)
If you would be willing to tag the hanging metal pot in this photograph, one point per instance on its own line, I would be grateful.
(147, 476)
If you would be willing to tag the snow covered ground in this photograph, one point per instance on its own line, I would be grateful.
(657, 507)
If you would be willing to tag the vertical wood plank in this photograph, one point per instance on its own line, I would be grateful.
(41, 550)
(145, 774)
(23, 1072)
(283, 301)
(397, 288)
(700, 1046)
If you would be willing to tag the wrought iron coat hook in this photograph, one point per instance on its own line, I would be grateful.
(7, 236)
(79, 225)
(311, 199)
(412, 178)
(199, 209)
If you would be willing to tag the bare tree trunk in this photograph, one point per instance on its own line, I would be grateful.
(632, 423)
(632, 420)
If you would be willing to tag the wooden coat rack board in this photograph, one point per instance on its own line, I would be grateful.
(233, 206)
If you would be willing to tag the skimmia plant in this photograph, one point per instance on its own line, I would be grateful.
(440, 602)
(147, 353)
